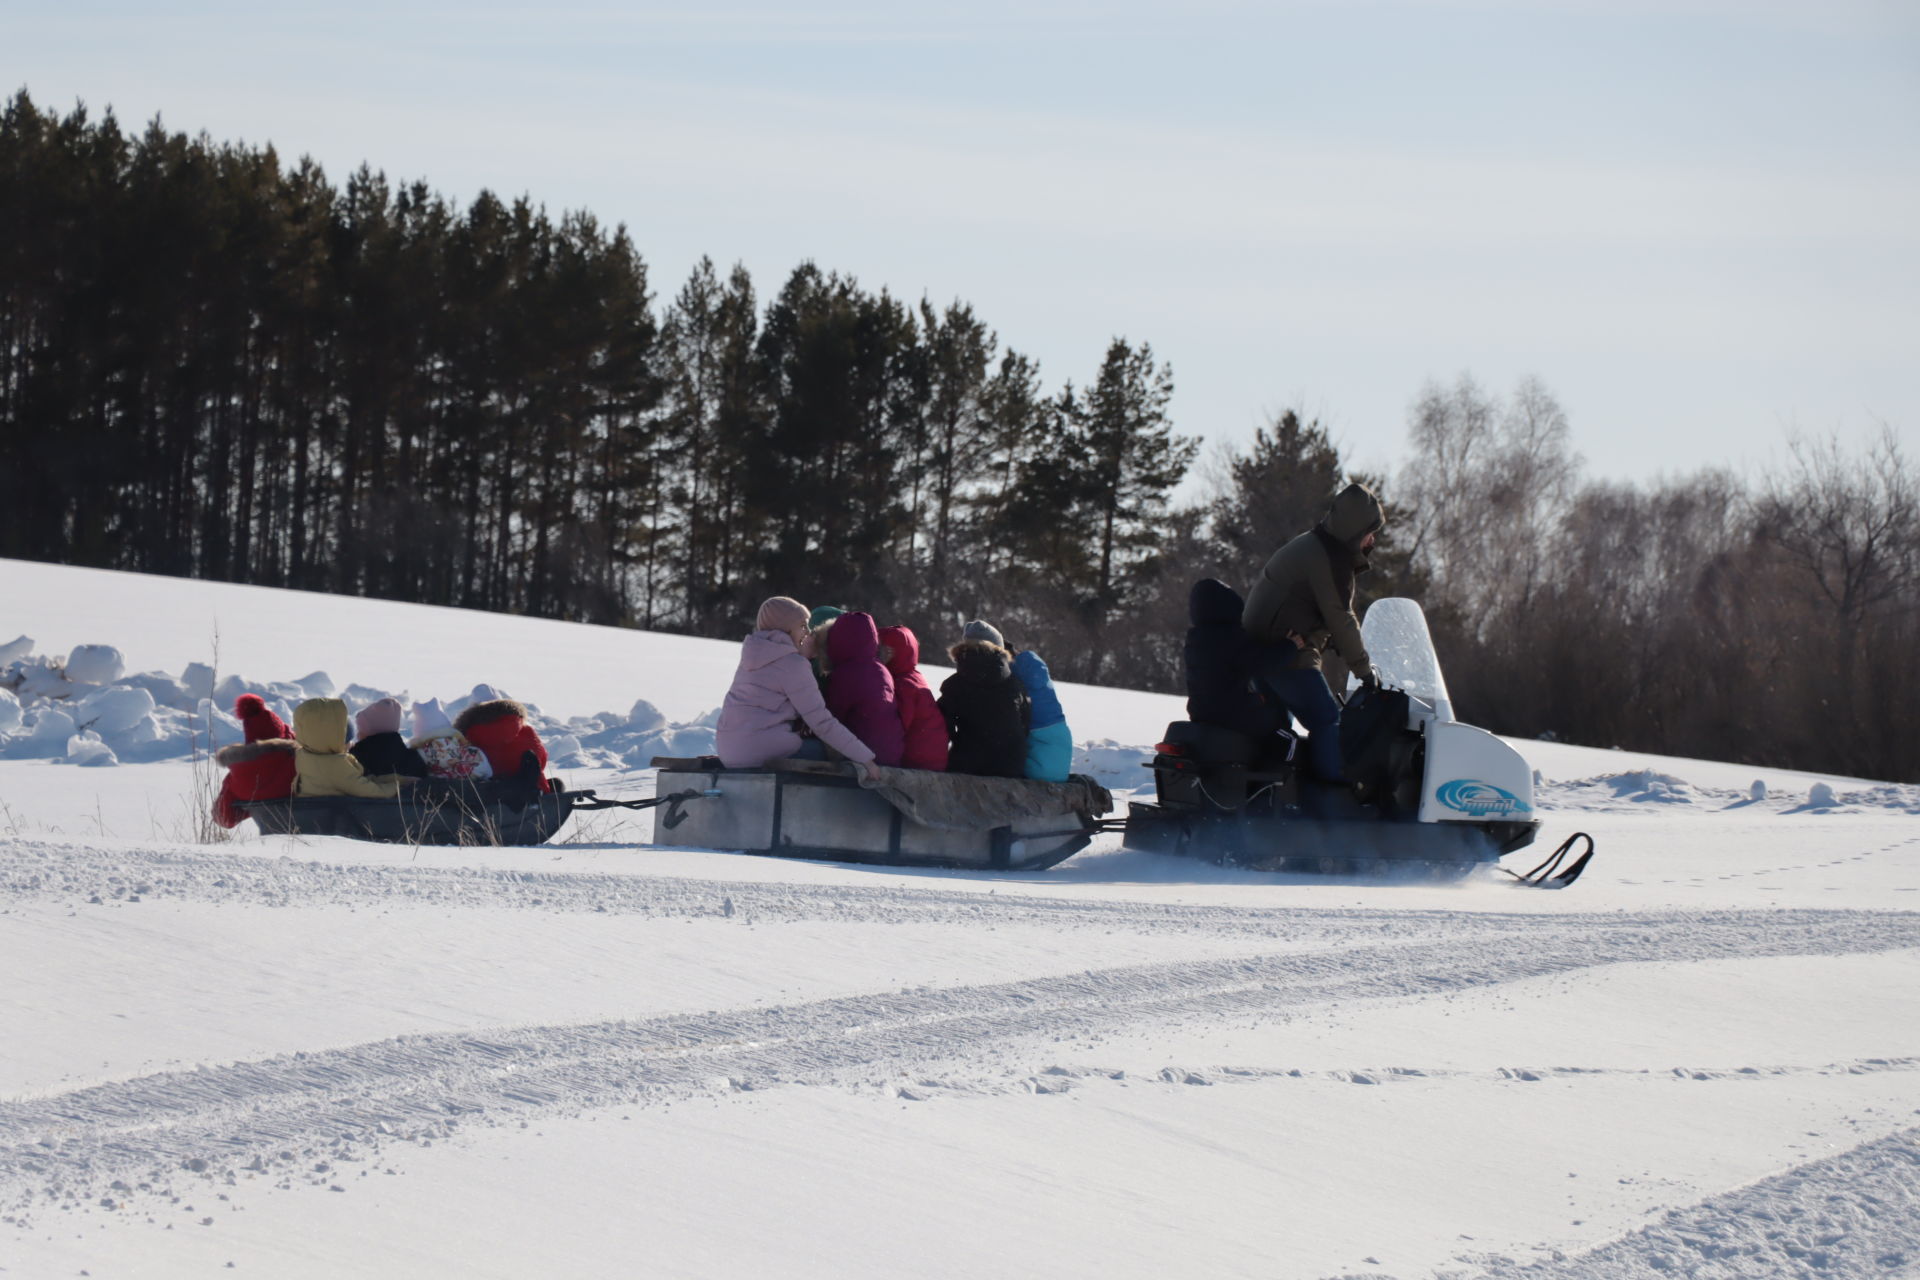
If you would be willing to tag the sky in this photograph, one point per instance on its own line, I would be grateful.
(1697, 222)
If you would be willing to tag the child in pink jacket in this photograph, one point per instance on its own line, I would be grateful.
(773, 690)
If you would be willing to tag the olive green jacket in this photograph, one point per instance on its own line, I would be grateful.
(322, 766)
(1303, 591)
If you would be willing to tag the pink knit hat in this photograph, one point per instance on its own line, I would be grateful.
(780, 613)
(378, 717)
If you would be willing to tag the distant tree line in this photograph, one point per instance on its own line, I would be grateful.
(216, 365)
(1772, 620)
(213, 364)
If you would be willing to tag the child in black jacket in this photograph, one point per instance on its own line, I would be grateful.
(987, 712)
(378, 746)
(1221, 662)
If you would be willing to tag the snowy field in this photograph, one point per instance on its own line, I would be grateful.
(304, 1057)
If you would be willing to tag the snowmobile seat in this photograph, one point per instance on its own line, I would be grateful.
(1208, 764)
(1211, 744)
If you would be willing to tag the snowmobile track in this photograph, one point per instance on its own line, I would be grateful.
(276, 1112)
(1853, 1214)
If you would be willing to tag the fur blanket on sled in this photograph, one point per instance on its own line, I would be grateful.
(966, 802)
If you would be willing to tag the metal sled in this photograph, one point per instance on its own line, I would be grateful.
(819, 811)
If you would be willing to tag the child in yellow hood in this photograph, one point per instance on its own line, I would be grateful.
(322, 765)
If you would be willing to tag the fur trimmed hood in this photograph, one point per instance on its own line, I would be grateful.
(981, 657)
(486, 713)
(245, 752)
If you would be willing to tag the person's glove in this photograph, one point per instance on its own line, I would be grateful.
(1367, 675)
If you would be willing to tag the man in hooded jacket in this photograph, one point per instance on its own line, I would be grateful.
(1302, 605)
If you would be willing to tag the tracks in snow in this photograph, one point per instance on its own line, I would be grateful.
(1854, 1214)
(278, 1112)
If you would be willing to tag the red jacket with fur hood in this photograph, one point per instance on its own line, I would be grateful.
(255, 771)
(500, 729)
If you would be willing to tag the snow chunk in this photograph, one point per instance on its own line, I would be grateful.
(359, 697)
(233, 686)
(1758, 791)
(645, 717)
(1821, 796)
(114, 710)
(198, 680)
(564, 749)
(317, 684)
(38, 676)
(1645, 786)
(167, 691)
(210, 722)
(52, 725)
(14, 650)
(88, 750)
(95, 664)
(10, 713)
(694, 740)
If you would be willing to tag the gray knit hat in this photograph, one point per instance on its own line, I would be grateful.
(978, 630)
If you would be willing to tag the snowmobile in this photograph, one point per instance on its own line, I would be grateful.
(1429, 797)
(909, 818)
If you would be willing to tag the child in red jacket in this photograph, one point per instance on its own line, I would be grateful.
(498, 726)
(261, 768)
(920, 719)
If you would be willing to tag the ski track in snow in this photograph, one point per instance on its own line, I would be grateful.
(1854, 1214)
(63, 872)
(276, 1116)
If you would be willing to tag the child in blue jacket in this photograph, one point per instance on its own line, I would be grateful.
(1049, 741)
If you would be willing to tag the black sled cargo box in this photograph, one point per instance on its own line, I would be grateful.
(910, 817)
(425, 813)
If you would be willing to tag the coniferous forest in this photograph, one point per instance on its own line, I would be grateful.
(217, 364)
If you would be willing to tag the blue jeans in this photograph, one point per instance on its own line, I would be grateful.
(1303, 691)
(810, 749)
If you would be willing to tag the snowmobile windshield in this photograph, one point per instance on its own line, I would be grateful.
(1395, 633)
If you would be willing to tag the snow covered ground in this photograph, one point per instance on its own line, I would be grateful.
(317, 1057)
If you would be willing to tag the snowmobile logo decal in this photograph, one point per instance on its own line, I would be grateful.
(1481, 799)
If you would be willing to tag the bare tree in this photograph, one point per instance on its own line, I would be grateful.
(1487, 483)
(1851, 525)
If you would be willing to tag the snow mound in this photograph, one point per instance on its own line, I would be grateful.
(88, 750)
(83, 709)
(1619, 790)
(1645, 786)
(95, 664)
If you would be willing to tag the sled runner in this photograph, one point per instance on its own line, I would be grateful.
(911, 817)
(1430, 797)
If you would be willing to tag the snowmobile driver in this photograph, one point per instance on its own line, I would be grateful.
(1303, 603)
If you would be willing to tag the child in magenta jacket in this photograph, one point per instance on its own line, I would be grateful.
(923, 728)
(860, 688)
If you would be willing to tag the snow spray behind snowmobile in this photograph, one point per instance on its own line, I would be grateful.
(1430, 797)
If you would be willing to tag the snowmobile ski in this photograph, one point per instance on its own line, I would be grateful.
(1550, 874)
